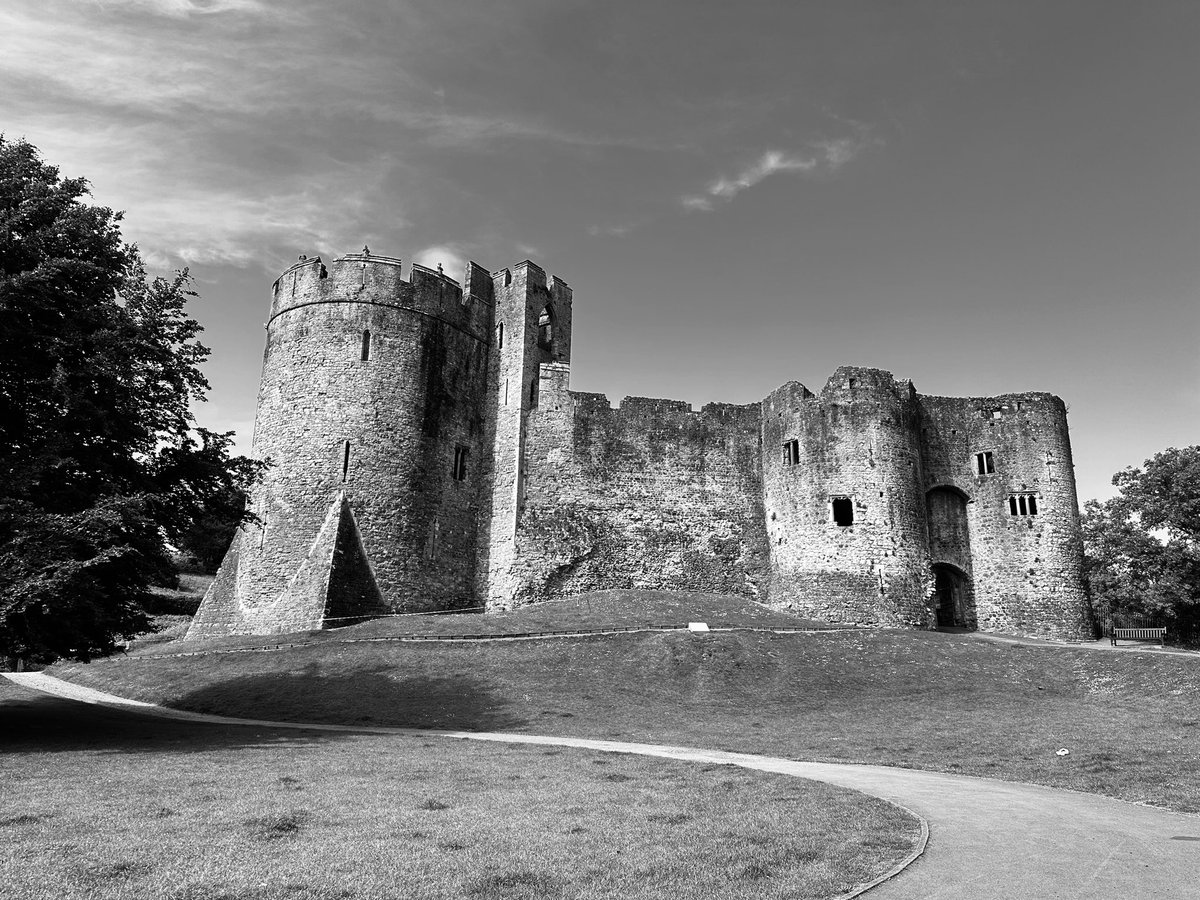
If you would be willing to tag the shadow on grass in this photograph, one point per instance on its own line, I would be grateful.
(379, 697)
(32, 722)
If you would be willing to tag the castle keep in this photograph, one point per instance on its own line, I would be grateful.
(428, 454)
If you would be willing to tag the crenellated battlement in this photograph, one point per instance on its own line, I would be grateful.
(378, 279)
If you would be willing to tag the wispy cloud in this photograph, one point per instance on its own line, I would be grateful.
(449, 257)
(825, 156)
(612, 230)
(230, 143)
(180, 9)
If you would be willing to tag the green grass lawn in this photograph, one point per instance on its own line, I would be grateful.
(954, 703)
(105, 804)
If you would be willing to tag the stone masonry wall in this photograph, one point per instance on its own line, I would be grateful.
(381, 430)
(650, 495)
(857, 442)
(1026, 569)
(523, 296)
(428, 454)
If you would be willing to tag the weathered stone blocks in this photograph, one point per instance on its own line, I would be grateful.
(428, 454)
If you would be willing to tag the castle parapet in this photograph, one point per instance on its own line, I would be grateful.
(376, 279)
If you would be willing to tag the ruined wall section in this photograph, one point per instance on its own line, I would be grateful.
(1026, 568)
(369, 385)
(523, 296)
(857, 443)
(649, 495)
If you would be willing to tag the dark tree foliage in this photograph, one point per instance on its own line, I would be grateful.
(1142, 547)
(101, 468)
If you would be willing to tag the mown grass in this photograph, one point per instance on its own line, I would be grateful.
(953, 703)
(106, 804)
(594, 611)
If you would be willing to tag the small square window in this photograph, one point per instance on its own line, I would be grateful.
(791, 453)
(843, 511)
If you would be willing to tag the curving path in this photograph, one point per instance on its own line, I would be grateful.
(988, 839)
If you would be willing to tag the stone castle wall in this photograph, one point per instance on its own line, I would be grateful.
(858, 443)
(428, 454)
(1026, 568)
(648, 495)
(380, 431)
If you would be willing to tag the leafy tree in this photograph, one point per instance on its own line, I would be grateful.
(1142, 547)
(100, 466)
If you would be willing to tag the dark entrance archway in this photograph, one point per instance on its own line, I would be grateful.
(954, 597)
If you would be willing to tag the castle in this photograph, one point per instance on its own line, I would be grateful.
(428, 454)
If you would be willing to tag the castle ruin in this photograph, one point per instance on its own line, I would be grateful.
(428, 454)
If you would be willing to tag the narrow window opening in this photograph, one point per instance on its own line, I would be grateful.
(791, 452)
(533, 398)
(1021, 505)
(460, 463)
(1012, 505)
(345, 459)
(546, 330)
(1032, 505)
(324, 271)
(500, 337)
(984, 463)
(366, 345)
(843, 511)
(507, 277)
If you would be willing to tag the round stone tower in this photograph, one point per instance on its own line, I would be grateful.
(370, 413)
(844, 500)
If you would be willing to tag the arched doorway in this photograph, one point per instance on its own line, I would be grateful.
(954, 599)
(950, 550)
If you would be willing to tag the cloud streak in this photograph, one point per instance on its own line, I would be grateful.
(826, 157)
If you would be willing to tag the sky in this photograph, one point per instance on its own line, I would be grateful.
(981, 197)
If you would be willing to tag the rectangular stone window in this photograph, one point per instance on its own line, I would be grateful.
(984, 464)
(843, 511)
(460, 463)
(345, 459)
(1022, 505)
(366, 346)
(791, 453)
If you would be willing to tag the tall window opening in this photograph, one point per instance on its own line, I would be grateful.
(366, 345)
(546, 329)
(460, 463)
(843, 511)
(500, 337)
(791, 452)
(533, 392)
(984, 464)
(345, 459)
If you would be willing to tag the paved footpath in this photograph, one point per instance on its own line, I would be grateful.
(987, 838)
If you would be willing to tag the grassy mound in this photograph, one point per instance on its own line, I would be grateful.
(953, 703)
(102, 804)
(595, 611)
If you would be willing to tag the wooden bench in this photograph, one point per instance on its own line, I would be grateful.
(1140, 634)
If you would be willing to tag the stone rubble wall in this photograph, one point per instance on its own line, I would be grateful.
(560, 493)
(648, 495)
(857, 440)
(1027, 570)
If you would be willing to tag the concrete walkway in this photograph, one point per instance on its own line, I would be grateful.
(987, 838)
